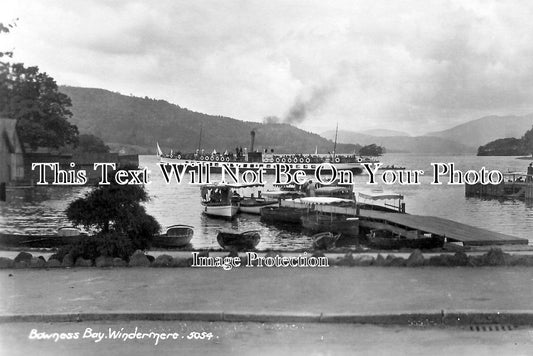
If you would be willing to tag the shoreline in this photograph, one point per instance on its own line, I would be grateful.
(495, 257)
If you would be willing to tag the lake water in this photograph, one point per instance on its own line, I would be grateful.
(180, 204)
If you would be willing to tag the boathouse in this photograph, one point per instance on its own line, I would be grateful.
(11, 155)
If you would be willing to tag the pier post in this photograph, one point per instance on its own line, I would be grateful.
(2, 191)
(529, 191)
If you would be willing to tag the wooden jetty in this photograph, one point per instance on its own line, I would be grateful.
(418, 225)
(448, 229)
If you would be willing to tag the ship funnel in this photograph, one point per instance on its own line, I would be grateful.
(252, 138)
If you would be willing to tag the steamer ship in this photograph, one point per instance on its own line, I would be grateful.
(267, 160)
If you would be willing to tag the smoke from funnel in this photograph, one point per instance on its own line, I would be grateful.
(303, 106)
(271, 120)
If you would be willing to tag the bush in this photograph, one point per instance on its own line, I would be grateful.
(121, 221)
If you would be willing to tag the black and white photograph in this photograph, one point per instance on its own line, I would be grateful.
(285, 177)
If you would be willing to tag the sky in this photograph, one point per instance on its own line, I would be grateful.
(412, 66)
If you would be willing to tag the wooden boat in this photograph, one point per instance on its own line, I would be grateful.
(65, 236)
(343, 192)
(377, 199)
(325, 240)
(238, 241)
(323, 222)
(387, 240)
(252, 201)
(285, 192)
(176, 236)
(218, 200)
(282, 215)
(253, 205)
(224, 200)
(328, 214)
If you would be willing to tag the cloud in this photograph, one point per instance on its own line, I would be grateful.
(409, 65)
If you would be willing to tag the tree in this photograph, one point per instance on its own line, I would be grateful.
(121, 222)
(502, 147)
(33, 99)
(371, 150)
(527, 141)
(91, 143)
(42, 111)
(509, 146)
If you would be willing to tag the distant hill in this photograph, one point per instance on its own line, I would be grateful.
(481, 131)
(419, 144)
(464, 138)
(136, 124)
(384, 133)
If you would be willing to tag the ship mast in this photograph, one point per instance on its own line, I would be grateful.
(335, 145)
(200, 139)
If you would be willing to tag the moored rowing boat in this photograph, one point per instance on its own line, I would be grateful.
(238, 241)
(176, 236)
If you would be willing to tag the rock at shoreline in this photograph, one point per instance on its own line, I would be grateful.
(103, 261)
(82, 262)
(6, 262)
(182, 261)
(363, 260)
(119, 262)
(139, 259)
(525, 260)
(233, 254)
(24, 257)
(163, 261)
(416, 259)
(55, 256)
(347, 260)
(21, 264)
(68, 260)
(318, 254)
(438, 261)
(37, 262)
(273, 254)
(394, 261)
(459, 259)
(53, 263)
(380, 260)
(496, 257)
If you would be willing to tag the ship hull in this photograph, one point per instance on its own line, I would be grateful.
(267, 167)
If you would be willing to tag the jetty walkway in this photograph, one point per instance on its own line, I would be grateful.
(418, 225)
(449, 229)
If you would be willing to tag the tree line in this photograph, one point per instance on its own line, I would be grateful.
(509, 146)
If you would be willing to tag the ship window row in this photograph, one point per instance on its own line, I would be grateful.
(251, 165)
